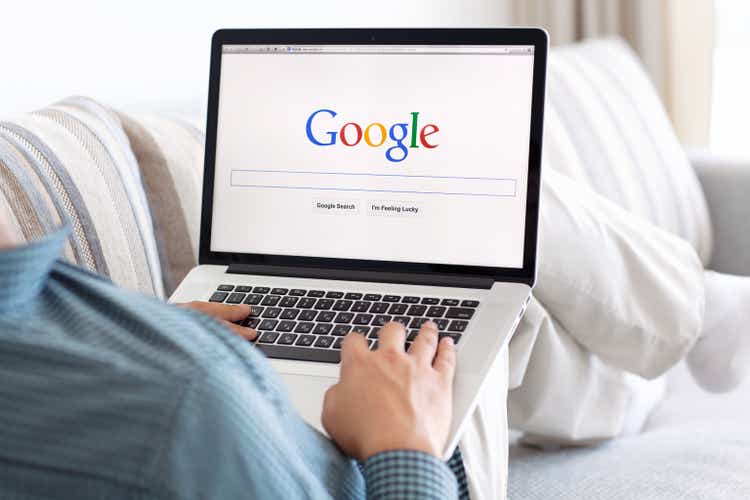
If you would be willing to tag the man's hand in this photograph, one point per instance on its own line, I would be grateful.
(389, 399)
(227, 314)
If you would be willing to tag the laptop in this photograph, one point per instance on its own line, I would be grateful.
(359, 176)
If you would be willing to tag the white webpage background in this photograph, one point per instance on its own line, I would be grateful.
(482, 104)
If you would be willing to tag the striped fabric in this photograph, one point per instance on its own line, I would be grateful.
(129, 188)
(71, 163)
(605, 126)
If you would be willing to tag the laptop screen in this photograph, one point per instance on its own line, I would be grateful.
(392, 153)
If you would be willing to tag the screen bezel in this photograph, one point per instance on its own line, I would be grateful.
(509, 36)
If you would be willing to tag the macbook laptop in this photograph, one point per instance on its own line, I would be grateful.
(359, 176)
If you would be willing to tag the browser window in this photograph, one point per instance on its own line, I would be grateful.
(395, 153)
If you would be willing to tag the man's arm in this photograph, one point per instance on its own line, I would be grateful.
(392, 410)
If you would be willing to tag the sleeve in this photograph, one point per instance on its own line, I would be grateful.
(409, 474)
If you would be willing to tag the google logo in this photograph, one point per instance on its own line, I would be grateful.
(374, 135)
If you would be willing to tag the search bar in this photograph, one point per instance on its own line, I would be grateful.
(374, 183)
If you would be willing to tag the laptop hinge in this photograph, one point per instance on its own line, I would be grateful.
(432, 279)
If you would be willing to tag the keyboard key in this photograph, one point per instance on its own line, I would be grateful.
(261, 289)
(360, 307)
(340, 330)
(404, 320)
(458, 326)
(315, 293)
(256, 311)
(353, 296)
(288, 301)
(289, 314)
(218, 297)
(235, 298)
(375, 333)
(469, 303)
(455, 336)
(286, 326)
(307, 315)
(379, 308)
(306, 303)
(430, 301)
(323, 304)
(397, 309)
(362, 319)
(381, 319)
(372, 296)
(268, 324)
(270, 300)
(344, 317)
(337, 344)
(243, 289)
(416, 310)
(325, 316)
(305, 340)
(342, 305)
(442, 324)
(334, 295)
(407, 346)
(410, 300)
(436, 312)
(268, 337)
(322, 328)
(417, 322)
(300, 353)
(225, 288)
(374, 345)
(391, 298)
(251, 322)
(412, 335)
(324, 341)
(297, 292)
(459, 313)
(272, 312)
(449, 302)
(304, 327)
(287, 339)
(253, 299)
(361, 329)
(280, 291)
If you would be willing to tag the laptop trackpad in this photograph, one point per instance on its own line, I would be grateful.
(306, 393)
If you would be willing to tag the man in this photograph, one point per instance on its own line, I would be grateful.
(109, 394)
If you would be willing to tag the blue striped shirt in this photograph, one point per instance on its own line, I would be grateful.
(109, 394)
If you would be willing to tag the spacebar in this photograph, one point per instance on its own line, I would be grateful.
(300, 353)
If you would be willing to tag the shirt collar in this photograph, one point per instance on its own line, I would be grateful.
(24, 270)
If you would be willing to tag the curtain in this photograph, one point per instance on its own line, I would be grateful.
(674, 38)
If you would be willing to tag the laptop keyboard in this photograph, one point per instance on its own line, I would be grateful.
(310, 325)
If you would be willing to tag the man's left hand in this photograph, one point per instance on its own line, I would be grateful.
(228, 314)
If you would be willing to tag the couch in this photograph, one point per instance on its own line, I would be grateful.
(129, 187)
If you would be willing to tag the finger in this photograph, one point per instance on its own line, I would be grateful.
(242, 331)
(229, 312)
(445, 359)
(424, 346)
(352, 348)
(392, 337)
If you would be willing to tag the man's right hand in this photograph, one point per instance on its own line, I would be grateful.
(389, 399)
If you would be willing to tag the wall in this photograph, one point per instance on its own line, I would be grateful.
(153, 55)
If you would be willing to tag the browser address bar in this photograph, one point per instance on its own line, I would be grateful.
(374, 183)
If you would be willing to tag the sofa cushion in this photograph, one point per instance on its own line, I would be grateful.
(606, 126)
(170, 155)
(71, 163)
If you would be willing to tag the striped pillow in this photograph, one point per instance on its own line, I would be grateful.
(71, 163)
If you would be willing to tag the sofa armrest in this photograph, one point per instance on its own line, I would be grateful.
(726, 184)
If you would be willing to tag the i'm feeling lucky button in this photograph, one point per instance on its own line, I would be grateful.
(394, 208)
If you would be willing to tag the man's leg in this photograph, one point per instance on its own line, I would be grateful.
(484, 445)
